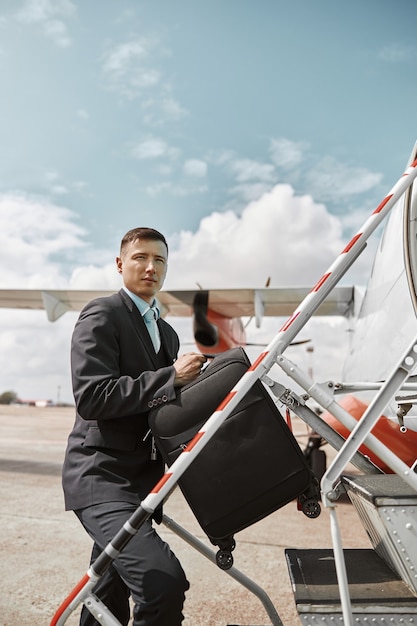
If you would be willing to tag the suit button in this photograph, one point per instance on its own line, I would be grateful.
(164, 398)
(150, 404)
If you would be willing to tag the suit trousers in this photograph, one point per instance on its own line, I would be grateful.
(146, 569)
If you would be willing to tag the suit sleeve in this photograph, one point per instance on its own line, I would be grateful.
(112, 373)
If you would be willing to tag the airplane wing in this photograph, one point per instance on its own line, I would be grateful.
(275, 302)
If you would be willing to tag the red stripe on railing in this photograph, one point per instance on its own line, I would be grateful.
(383, 203)
(194, 441)
(161, 483)
(352, 243)
(258, 360)
(226, 401)
(321, 282)
(289, 322)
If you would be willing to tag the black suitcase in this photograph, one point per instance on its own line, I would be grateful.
(251, 466)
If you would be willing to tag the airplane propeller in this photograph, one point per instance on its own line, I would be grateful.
(205, 333)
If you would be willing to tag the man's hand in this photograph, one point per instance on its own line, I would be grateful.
(188, 367)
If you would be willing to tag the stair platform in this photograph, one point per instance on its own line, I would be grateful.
(387, 508)
(378, 595)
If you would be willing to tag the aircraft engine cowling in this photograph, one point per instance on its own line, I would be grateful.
(205, 333)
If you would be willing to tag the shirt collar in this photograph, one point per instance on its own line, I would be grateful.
(141, 304)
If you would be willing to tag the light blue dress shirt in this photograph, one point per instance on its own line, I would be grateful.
(150, 320)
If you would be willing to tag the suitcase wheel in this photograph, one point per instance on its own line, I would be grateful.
(310, 507)
(224, 559)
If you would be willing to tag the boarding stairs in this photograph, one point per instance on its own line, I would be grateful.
(379, 584)
(332, 586)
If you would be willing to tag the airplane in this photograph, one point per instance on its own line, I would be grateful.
(382, 319)
(217, 313)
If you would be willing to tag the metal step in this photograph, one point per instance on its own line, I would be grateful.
(378, 595)
(387, 507)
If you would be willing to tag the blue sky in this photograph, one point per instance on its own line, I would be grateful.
(257, 136)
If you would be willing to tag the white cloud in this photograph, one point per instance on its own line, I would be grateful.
(55, 186)
(32, 231)
(155, 190)
(51, 176)
(222, 157)
(398, 53)
(131, 70)
(247, 192)
(153, 148)
(288, 237)
(286, 153)
(178, 190)
(127, 57)
(171, 107)
(83, 114)
(57, 31)
(37, 355)
(50, 15)
(329, 179)
(80, 186)
(162, 107)
(43, 10)
(195, 167)
(272, 237)
(59, 190)
(104, 276)
(247, 169)
(326, 179)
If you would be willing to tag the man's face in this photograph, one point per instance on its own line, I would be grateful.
(143, 265)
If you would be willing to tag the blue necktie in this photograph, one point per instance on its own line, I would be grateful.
(150, 316)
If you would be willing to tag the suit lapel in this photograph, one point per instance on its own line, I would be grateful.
(166, 341)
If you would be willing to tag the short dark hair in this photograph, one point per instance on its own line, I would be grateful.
(142, 232)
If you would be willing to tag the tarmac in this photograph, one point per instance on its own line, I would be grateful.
(45, 552)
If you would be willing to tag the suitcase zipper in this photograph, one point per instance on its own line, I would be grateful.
(154, 450)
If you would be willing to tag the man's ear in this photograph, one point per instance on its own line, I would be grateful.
(119, 264)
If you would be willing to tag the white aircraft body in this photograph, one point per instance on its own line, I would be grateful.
(386, 321)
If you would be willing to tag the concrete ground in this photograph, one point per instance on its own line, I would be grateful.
(45, 552)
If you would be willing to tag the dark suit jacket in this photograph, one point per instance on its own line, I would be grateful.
(117, 379)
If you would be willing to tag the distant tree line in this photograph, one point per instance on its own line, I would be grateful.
(8, 397)
(11, 397)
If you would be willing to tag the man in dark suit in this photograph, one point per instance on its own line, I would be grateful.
(118, 375)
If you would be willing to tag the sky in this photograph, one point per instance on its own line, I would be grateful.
(257, 136)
